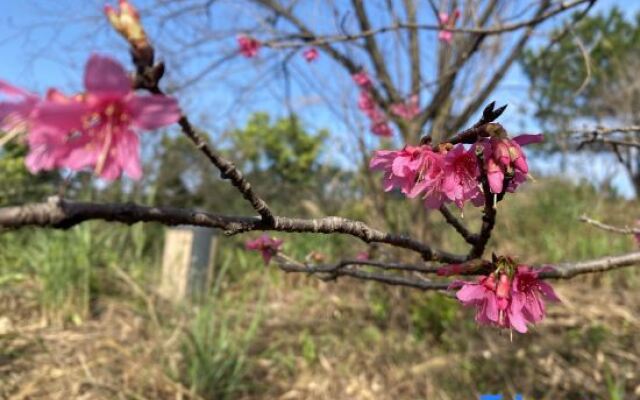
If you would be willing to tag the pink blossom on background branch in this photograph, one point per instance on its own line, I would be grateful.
(407, 110)
(266, 245)
(248, 46)
(447, 21)
(362, 79)
(311, 54)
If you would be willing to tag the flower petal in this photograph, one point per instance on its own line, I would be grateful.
(64, 117)
(104, 74)
(526, 139)
(129, 155)
(153, 112)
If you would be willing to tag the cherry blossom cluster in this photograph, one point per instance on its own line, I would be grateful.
(452, 173)
(447, 21)
(367, 104)
(510, 297)
(97, 129)
(406, 110)
(266, 245)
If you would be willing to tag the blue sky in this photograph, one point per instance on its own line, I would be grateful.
(44, 44)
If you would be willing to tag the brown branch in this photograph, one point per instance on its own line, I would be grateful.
(60, 213)
(561, 271)
(612, 142)
(570, 270)
(309, 38)
(609, 228)
(414, 47)
(447, 78)
(147, 76)
(374, 52)
(486, 91)
(227, 171)
(451, 219)
(332, 272)
(601, 130)
(292, 40)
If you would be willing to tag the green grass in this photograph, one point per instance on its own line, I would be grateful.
(216, 344)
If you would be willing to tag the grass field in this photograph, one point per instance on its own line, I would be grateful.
(80, 318)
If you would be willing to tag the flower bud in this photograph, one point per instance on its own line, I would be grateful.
(126, 21)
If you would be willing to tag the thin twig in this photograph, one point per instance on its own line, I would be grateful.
(299, 40)
(610, 228)
(332, 272)
(451, 219)
(570, 270)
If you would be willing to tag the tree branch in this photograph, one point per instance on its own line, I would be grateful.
(486, 91)
(332, 272)
(317, 40)
(63, 214)
(451, 219)
(309, 38)
(227, 171)
(414, 47)
(609, 228)
(570, 270)
(374, 52)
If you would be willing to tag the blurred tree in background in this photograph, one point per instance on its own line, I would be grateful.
(597, 82)
(280, 157)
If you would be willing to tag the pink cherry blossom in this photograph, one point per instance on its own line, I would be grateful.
(528, 291)
(461, 174)
(99, 128)
(16, 113)
(379, 123)
(447, 22)
(508, 302)
(362, 79)
(310, 54)
(248, 45)
(430, 179)
(367, 104)
(481, 295)
(401, 168)
(362, 256)
(382, 129)
(493, 302)
(49, 144)
(504, 156)
(406, 110)
(435, 176)
(268, 246)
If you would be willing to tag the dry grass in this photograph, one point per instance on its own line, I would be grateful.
(326, 342)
